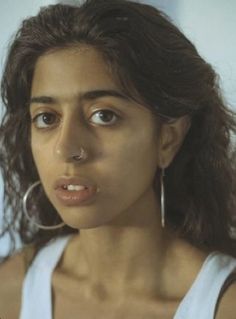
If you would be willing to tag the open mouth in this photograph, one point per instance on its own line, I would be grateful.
(74, 190)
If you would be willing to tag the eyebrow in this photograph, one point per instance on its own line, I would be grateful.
(87, 96)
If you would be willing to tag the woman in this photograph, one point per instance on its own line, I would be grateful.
(118, 169)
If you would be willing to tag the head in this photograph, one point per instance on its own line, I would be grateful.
(79, 104)
(156, 69)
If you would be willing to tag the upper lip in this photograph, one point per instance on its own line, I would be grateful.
(73, 180)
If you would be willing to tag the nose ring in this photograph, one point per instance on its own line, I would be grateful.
(78, 157)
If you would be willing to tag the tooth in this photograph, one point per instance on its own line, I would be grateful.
(75, 187)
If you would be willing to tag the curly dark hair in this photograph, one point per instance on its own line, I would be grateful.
(154, 64)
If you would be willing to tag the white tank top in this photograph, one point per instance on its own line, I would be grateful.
(199, 302)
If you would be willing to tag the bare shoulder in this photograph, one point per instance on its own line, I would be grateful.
(227, 305)
(12, 274)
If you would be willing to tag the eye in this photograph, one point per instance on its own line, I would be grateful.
(104, 117)
(44, 120)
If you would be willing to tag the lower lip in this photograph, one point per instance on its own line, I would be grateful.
(75, 198)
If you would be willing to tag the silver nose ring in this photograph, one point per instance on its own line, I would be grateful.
(80, 156)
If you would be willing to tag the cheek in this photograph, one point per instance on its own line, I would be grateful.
(42, 158)
(132, 167)
(36, 153)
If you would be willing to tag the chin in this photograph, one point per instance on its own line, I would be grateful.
(84, 219)
(83, 225)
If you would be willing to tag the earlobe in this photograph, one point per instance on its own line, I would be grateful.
(172, 136)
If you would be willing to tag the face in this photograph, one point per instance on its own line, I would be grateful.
(76, 103)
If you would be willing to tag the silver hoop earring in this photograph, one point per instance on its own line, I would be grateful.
(81, 156)
(25, 198)
(162, 198)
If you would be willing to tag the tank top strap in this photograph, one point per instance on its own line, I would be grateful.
(36, 297)
(201, 300)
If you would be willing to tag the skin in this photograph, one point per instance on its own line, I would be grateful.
(123, 264)
(119, 150)
(122, 253)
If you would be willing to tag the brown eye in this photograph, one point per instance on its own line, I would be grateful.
(104, 117)
(45, 120)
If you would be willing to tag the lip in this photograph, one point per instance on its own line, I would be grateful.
(74, 198)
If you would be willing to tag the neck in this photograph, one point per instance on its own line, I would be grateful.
(119, 257)
(125, 257)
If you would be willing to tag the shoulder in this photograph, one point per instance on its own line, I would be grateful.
(12, 273)
(227, 305)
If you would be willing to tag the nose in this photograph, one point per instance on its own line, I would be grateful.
(71, 143)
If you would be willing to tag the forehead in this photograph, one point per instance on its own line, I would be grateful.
(72, 68)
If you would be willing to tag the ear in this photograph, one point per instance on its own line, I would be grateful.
(172, 135)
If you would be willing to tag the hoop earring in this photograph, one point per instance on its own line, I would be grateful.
(25, 198)
(162, 198)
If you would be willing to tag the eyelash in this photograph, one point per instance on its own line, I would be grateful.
(47, 126)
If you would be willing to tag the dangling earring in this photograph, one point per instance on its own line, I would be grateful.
(25, 198)
(162, 198)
